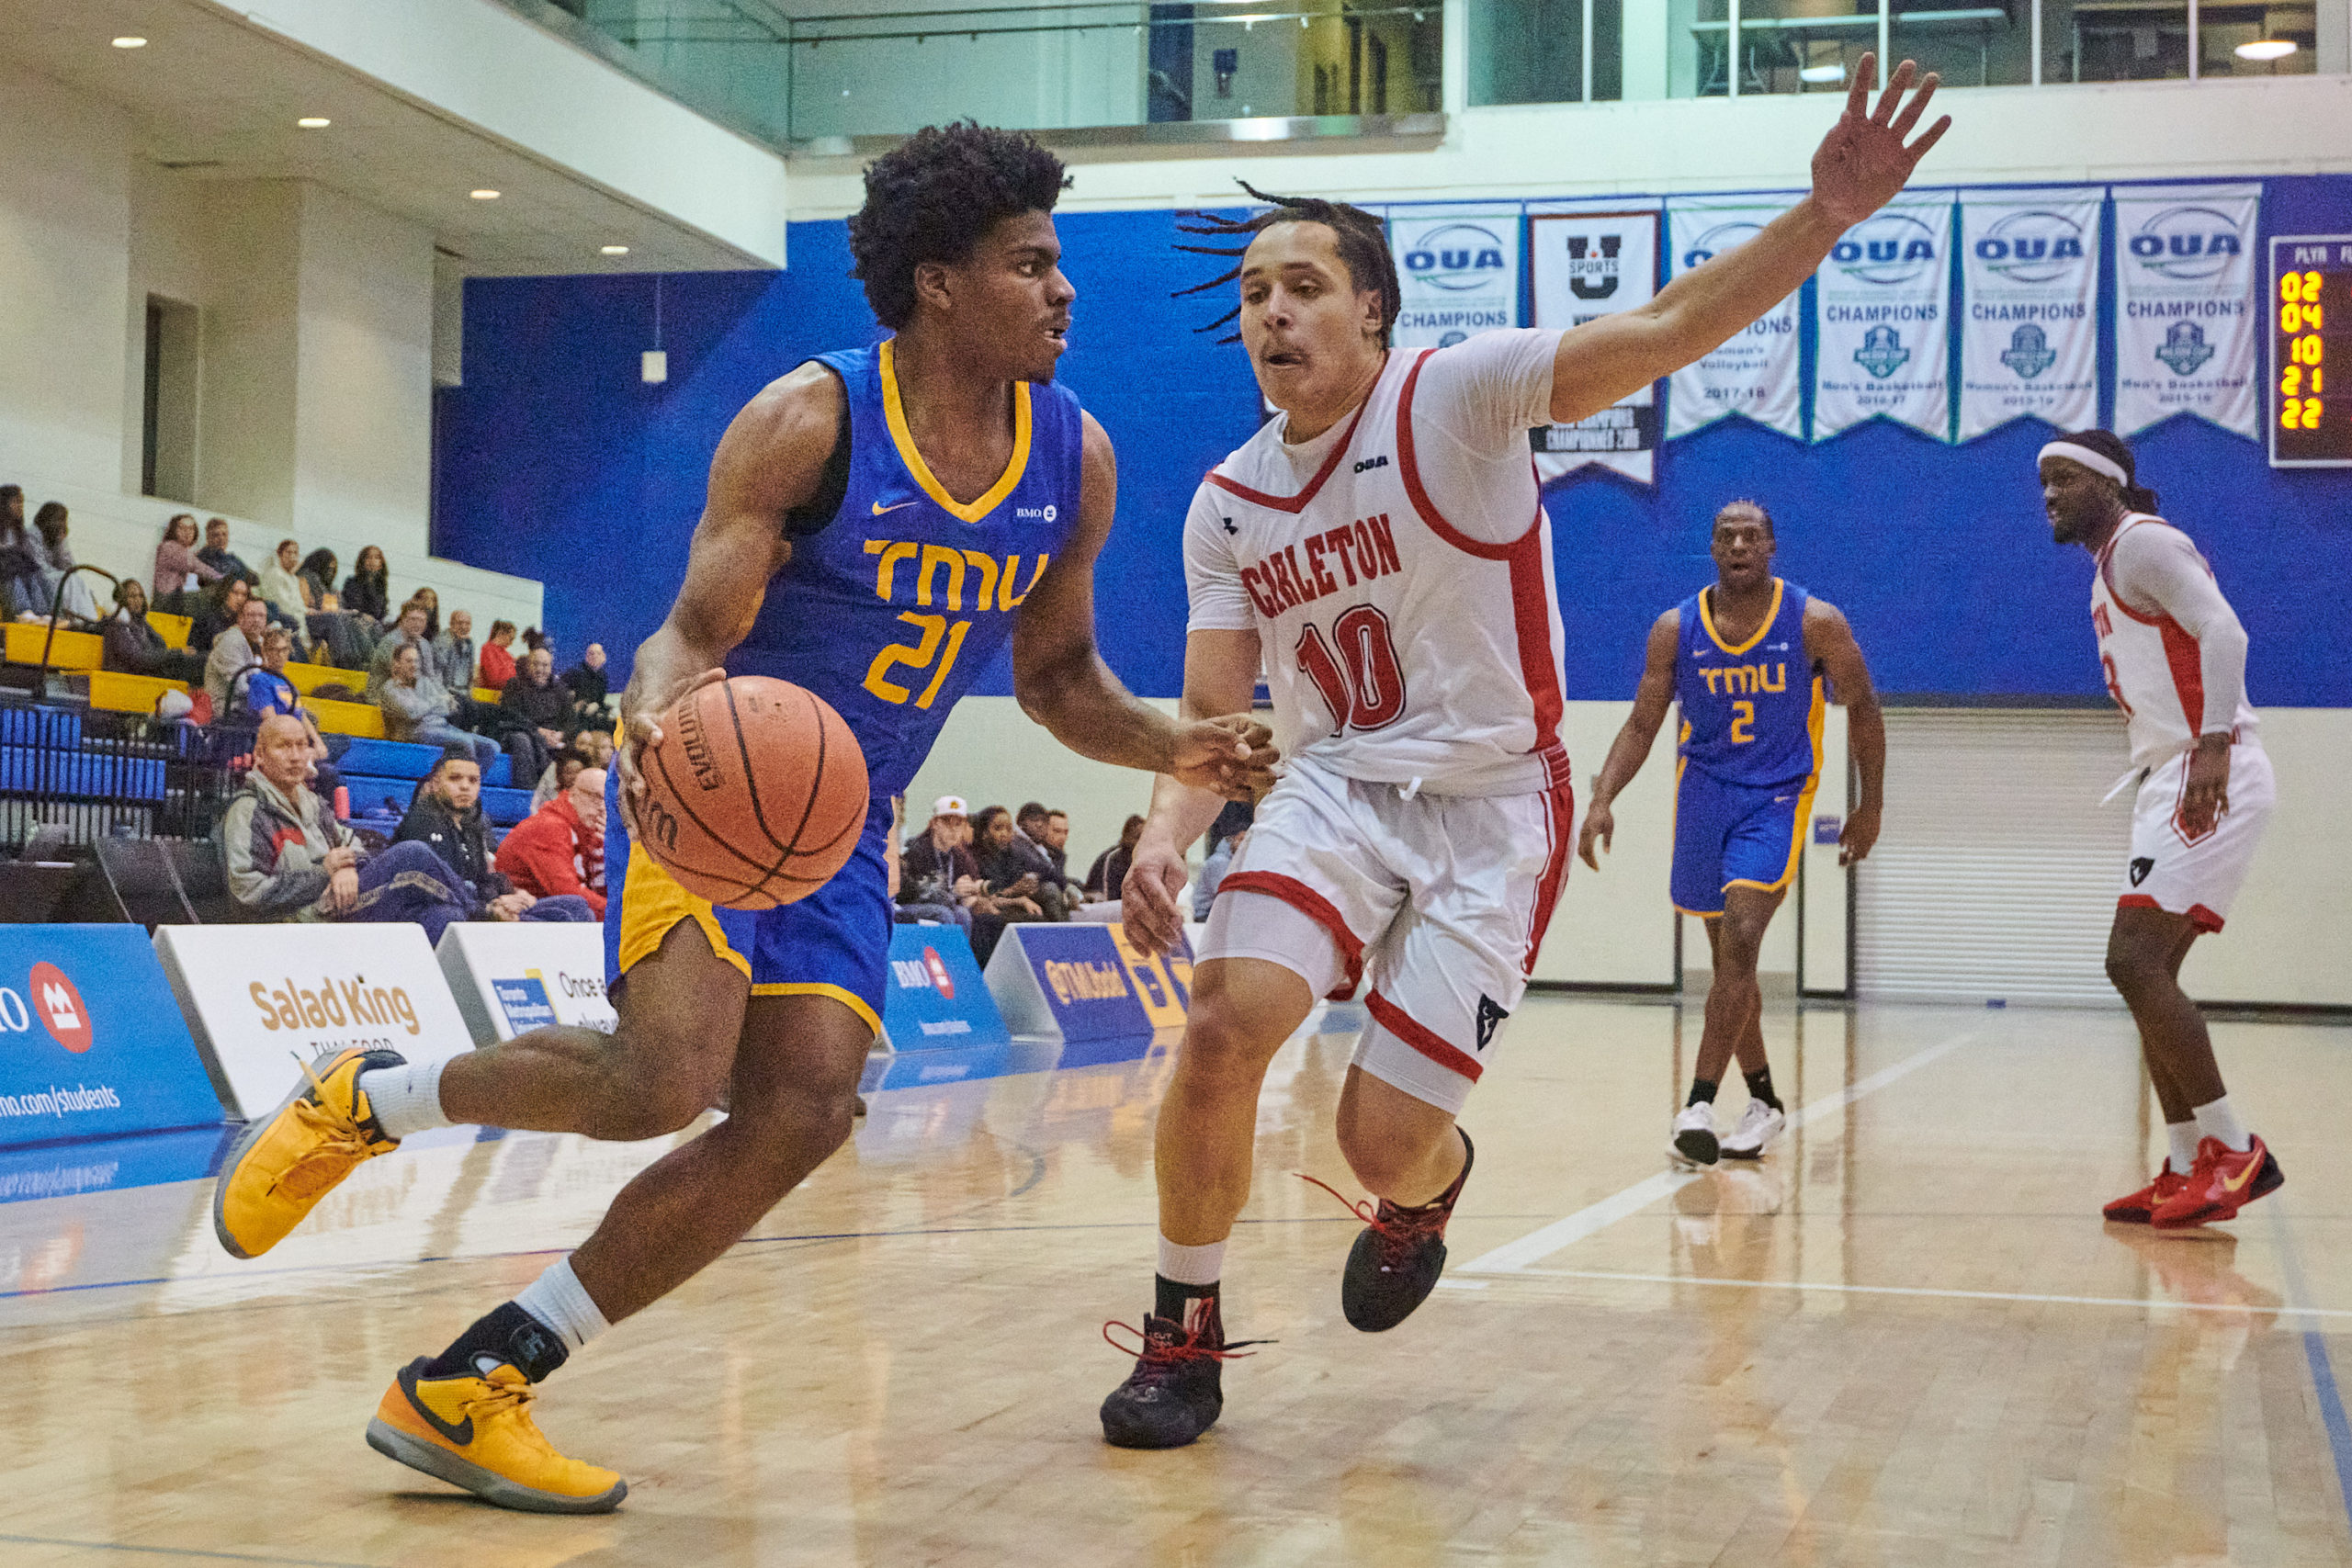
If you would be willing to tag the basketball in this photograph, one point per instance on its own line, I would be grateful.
(755, 795)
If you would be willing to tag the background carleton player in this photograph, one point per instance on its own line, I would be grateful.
(880, 522)
(2173, 656)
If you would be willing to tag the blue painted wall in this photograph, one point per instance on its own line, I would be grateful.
(555, 461)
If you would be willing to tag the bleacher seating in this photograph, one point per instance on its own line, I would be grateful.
(118, 693)
(70, 650)
(364, 719)
(173, 629)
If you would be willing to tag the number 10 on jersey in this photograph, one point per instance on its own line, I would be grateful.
(1362, 682)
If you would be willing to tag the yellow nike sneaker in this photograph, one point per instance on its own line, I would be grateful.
(284, 1163)
(477, 1432)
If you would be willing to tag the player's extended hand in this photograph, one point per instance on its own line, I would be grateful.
(1857, 838)
(1863, 161)
(1235, 756)
(1155, 879)
(641, 728)
(1598, 828)
(2208, 795)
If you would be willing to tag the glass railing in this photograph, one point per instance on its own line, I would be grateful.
(801, 78)
(1525, 51)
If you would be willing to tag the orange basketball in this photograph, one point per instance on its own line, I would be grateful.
(756, 793)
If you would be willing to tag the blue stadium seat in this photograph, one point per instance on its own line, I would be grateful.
(389, 758)
(499, 772)
(370, 791)
(506, 806)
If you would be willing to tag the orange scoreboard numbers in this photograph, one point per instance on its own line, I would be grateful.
(2311, 351)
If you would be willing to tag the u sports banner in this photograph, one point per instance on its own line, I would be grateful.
(1082, 981)
(1585, 264)
(1458, 268)
(2029, 341)
(90, 1044)
(1756, 374)
(1882, 304)
(2187, 320)
(937, 997)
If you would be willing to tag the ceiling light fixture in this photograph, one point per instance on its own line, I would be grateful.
(1822, 74)
(612, 250)
(483, 195)
(2267, 49)
(131, 40)
(314, 122)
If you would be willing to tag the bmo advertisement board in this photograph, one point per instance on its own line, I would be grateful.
(937, 997)
(90, 1044)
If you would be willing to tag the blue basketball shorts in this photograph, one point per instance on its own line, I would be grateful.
(835, 942)
(1734, 835)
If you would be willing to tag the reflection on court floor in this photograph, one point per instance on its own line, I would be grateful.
(1903, 1336)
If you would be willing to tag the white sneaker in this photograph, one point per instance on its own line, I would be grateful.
(1758, 1125)
(1694, 1141)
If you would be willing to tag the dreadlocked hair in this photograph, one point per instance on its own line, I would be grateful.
(2108, 444)
(1363, 245)
(932, 199)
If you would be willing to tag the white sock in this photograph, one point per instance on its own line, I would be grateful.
(557, 1299)
(2216, 1120)
(406, 1099)
(2183, 1136)
(1192, 1264)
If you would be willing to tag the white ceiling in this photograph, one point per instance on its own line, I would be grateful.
(219, 98)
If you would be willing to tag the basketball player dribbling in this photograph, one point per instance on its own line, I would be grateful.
(1382, 550)
(878, 522)
(1751, 750)
(2173, 653)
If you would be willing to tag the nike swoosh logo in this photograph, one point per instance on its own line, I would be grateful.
(879, 509)
(461, 1435)
(2243, 1178)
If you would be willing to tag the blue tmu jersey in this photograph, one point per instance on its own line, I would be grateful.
(889, 611)
(1751, 712)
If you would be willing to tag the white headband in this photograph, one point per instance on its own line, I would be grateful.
(2096, 462)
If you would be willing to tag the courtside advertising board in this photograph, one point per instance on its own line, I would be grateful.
(1086, 982)
(258, 1000)
(936, 997)
(510, 976)
(90, 1044)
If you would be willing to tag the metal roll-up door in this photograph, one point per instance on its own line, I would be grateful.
(1996, 876)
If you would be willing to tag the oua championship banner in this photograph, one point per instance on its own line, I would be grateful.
(1756, 374)
(1585, 264)
(2187, 322)
(2030, 338)
(1882, 303)
(1458, 269)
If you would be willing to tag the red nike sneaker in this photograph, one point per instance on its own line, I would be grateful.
(2136, 1208)
(2223, 1181)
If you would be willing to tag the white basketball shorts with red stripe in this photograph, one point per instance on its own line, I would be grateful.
(1439, 902)
(2198, 876)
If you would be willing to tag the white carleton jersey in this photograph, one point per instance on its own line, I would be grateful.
(1403, 592)
(2151, 663)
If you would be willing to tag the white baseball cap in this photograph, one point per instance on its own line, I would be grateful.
(949, 806)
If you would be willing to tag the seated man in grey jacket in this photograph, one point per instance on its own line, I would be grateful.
(417, 708)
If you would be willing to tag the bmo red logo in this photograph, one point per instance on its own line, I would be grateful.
(58, 1003)
(937, 967)
(927, 973)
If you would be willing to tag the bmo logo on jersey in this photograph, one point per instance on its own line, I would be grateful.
(56, 1001)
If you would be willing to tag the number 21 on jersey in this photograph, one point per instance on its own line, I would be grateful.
(1363, 682)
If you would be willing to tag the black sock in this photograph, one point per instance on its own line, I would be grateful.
(1702, 1092)
(1173, 1299)
(1760, 1086)
(509, 1335)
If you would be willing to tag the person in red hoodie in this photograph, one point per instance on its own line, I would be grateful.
(559, 847)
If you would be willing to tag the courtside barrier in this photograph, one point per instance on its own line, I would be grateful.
(259, 998)
(508, 977)
(90, 1044)
(88, 1166)
(936, 997)
(1087, 982)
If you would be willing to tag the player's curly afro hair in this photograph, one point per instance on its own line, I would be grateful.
(1362, 246)
(931, 199)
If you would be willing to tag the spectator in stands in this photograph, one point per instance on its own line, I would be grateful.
(408, 631)
(365, 590)
(559, 849)
(447, 815)
(537, 696)
(1032, 836)
(432, 602)
(497, 663)
(1213, 870)
(179, 571)
(1012, 880)
(233, 652)
(18, 569)
(453, 654)
(289, 858)
(349, 636)
(216, 554)
(586, 681)
(1110, 871)
(136, 647)
(1056, 843)
(214, 611)
(419, 709)
(937, 868)
(267, 691)
(589, 748)
(52, 559)
(909, 910)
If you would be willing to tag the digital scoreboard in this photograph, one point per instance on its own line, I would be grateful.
(2310, 346)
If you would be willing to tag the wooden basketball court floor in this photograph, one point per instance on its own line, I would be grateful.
(1905, 1338)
